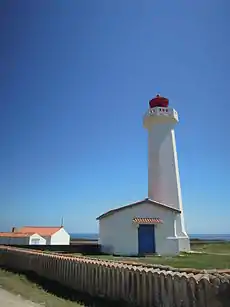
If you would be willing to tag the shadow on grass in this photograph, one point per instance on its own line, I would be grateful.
(64, 292)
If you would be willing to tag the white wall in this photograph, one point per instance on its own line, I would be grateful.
(14, 240)
(119, 235)
(37, 237)
(163, 171)
(61, 237)
(22, 240)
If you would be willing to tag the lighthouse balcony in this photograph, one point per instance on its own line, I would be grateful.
(162, 112)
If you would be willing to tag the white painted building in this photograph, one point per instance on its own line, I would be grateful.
(10, 238)
(52, 235)
(156, 224)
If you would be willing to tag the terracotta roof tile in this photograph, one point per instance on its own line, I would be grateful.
(147, 220)
(42, 231)
(15, 234)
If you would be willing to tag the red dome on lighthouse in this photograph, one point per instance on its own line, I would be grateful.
(159, 101)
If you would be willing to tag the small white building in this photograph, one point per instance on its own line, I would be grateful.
(155, 224)
(139, 228)
(52, 235)
(10, 238)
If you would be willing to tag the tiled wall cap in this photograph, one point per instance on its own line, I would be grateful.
(198, 277)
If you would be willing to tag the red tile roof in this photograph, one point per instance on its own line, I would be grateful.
(42, 231)
(15, 234)
(147, 220)
(146, 200)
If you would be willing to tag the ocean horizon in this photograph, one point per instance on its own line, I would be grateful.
(94, 236)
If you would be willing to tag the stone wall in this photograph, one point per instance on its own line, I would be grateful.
(135, 284)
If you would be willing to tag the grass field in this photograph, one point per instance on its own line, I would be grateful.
(219, 248)
(47, 293)
(208, 256)
(182, 261)
(29, 289)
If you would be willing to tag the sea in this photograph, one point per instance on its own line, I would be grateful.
(94, 236)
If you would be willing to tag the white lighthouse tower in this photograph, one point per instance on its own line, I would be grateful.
(163, 171)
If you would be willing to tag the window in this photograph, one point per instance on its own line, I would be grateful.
(35, 241)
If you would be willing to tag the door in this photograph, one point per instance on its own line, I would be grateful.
(146, 239)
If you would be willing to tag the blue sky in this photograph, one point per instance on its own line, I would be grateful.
(76, 77)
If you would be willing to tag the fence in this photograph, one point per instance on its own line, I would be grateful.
(83, 248)
(136, 285)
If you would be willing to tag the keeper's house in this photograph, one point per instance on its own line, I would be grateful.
(144, 227)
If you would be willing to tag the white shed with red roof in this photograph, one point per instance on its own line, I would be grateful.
(52, 235)
(18, 238)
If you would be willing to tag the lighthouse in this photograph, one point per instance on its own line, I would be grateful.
(155, 224)
(163, 171)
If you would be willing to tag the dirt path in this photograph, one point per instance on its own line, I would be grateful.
(8, 299)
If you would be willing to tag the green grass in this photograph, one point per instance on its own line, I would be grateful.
(203, 261)
(217, 248)
(30, 290)
(216, 256)
(47, 293)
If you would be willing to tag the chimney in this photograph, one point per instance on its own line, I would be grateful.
(13, 229)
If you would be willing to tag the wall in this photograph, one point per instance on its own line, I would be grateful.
(14, 240)
(134, 284)
(42, 241)
(61, 237)
(47, 239)
(22, 240)
(163, 171)
(87, 249)
(118, 235)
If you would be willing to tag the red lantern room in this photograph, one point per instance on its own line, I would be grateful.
(159, 101)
